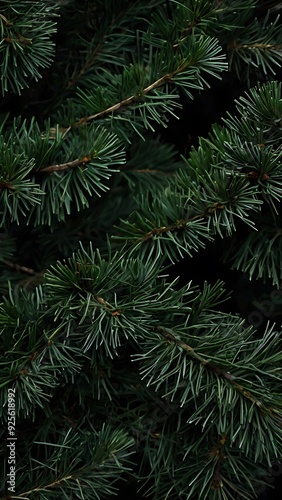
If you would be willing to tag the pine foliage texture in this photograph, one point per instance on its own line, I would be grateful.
(120, 373)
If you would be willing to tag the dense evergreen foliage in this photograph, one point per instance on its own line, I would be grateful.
(112, 369)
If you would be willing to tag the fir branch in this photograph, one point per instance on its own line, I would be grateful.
(29, 47)
(129, 100)
(168, 334)
(220, 372)
(165, 79)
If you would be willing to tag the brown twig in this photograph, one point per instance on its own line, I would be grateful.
(6, 185)
(65, 166)
(180, 224)
(40, 488)
(265, 46)
(18, 267)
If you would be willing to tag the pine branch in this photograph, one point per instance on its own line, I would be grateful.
(168, 334)
(26, 30)
(132, 99)
(210, 366)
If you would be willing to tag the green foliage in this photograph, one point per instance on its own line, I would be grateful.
(26, 46)
(92, 472)
(120, 371)
(233, 176)
(221, 380)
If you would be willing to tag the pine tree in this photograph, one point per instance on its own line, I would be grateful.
(111, 370)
